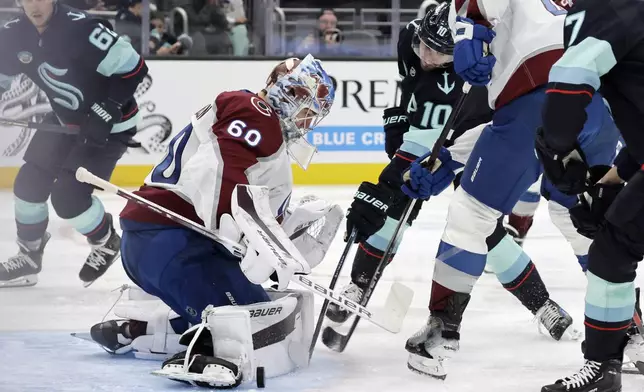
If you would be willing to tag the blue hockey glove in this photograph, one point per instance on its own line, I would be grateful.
(470, 60)
(424, 183)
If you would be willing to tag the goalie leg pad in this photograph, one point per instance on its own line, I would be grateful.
(233, 342)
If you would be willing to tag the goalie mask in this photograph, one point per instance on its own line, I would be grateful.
(301, 93)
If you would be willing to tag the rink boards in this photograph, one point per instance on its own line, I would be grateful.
(350, 140)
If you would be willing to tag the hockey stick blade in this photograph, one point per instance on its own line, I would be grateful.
(389, 319)
(334, 280)
(397, 304)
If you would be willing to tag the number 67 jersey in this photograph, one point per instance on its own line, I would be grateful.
(236, 140)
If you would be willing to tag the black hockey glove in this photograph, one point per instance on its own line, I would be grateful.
(396, 125)
(98, 124)
(368, 211)
(566, 170)
(588, 215)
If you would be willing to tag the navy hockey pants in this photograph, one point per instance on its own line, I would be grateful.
(184, 269)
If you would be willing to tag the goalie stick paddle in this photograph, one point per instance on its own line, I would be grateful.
(334, 339)
(390, 319)
(334, 279)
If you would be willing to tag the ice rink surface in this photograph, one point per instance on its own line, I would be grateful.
(501, 349)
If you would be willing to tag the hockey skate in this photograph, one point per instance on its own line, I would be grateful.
(337, 313)
(116, 336)
(102, 256)
(556, 321)
(593, 377)
(22, 269)
(431, 347)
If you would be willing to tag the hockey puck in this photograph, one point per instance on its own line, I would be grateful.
(259, 377)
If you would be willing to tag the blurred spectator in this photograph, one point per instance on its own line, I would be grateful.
(325, 39)
(128, 24)
(236, 16)
(162, 43)
(208, 25)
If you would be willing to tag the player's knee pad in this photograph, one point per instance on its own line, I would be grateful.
(469, 223)
(33, 184)
(561, 218)
(160, 340)
(273, 335)
(69, 197)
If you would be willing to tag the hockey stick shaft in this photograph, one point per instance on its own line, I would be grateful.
(334, 280)
(83, 175)
(40, 126)
(407, 212)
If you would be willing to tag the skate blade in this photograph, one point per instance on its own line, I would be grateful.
(572, 334)
(86, 336)
(23, 281)
(633, 368)
(180, 375)
(426, 366)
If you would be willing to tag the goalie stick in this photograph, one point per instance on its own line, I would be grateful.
(397, 303)
(334, 339)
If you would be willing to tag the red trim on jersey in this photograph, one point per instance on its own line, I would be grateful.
(131, 112)
(531, 74)
(568, 92)
(136, 71)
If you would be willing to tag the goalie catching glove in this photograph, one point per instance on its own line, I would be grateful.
(301, 242)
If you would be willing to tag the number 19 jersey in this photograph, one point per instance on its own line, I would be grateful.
(236, 140)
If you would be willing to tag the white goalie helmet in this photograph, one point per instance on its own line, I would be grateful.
(301, 93)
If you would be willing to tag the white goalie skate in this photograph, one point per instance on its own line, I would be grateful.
(431, 348)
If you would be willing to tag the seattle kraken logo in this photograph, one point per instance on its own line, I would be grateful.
(446, 87)
(70, 96)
